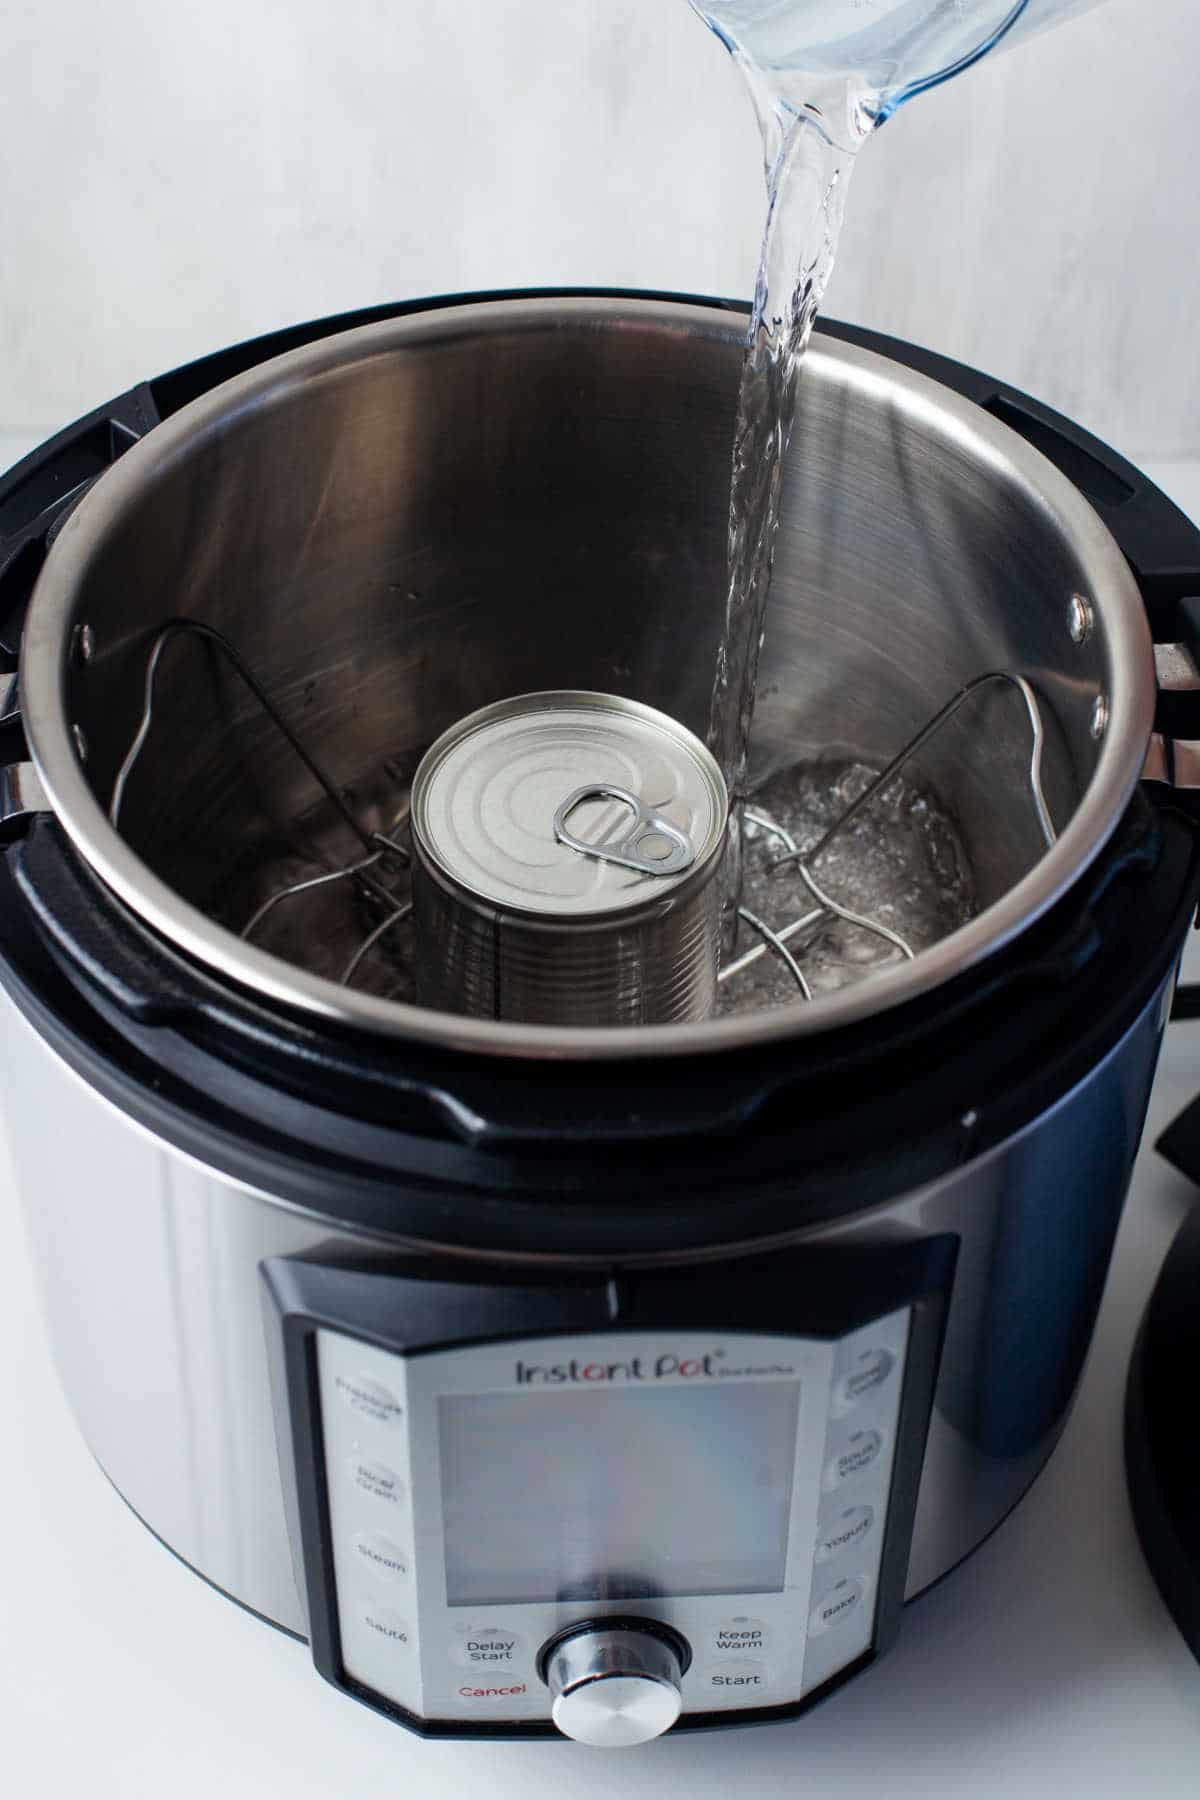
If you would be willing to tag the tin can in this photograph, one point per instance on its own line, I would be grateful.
(566, 848)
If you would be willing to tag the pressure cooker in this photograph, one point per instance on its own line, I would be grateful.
(559, 1375)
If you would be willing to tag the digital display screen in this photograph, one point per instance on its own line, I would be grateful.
(617, 1494)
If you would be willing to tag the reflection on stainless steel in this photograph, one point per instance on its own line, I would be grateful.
(413, 567)
(178, 1408)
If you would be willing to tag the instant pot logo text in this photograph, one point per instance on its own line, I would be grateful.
(711, 1366)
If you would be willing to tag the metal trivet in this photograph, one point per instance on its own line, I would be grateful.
(381, 874)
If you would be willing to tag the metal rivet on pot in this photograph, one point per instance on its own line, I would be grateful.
(1099, 716)
(80, 742)
(83, 643)
(1080, 619)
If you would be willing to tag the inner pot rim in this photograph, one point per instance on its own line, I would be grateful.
(1129, 685)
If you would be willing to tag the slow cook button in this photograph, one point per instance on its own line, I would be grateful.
(387, 1624)
(488, 1646)
(381, 1555)
(853, 1458)
(740, 1637)
(836, 1606)
(376, 1479)
(743, 1679)
(868, 1372)
(363, 1394)
(845, 1531)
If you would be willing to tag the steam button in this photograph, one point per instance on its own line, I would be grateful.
(383, 1557)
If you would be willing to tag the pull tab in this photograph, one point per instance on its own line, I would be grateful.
(637, 849)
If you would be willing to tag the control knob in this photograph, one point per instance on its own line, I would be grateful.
(615, 1684)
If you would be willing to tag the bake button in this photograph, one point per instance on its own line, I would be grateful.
(846, 1530)
(363, 1394)
(387, 1624)
(853, 1458)
(742, 1678)
(867, 1373)
(836, 1606)
(376, 1479)
(488, 1646)
(381, 1555)
(740, 1637)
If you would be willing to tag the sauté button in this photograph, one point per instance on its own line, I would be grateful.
(381, 1555)
(387, 1624)
(363, 1394)
(836, 1606)
(743, 1678)
(740, 1637)
(868, 1372)
(488, 1646)
(847, 1529)
(855, 1456)
(376, 1479)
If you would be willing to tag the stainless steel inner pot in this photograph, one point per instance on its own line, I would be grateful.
(411, 520)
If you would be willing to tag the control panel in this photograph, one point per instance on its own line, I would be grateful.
(732, 1488)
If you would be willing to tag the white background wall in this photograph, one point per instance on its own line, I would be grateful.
(178, 174)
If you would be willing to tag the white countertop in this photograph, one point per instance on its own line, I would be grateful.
(1047, 1665)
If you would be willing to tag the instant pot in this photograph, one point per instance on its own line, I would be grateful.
(569, 1376)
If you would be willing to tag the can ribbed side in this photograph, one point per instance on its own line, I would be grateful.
(658, 967)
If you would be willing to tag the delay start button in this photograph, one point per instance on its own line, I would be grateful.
(739, 1636)
(488, 1647)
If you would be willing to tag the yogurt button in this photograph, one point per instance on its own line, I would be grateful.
(836, 1606)
(844, 1532)
(381, 1555)
(853, 1458)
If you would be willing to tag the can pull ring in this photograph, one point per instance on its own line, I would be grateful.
(652, 845)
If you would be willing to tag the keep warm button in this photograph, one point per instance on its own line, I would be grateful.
(740, 1637)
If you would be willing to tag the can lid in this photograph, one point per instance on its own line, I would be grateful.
(487, 794)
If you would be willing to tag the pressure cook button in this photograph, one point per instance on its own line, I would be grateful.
(848, 1529)
(387, 1624)
(740, 1637)
(381, 1555)
(868, 1372)
(855, 1456)
(488, 1646)
(743, 1678)
(363, 1394)
(836, 1606)
(376, 1479)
